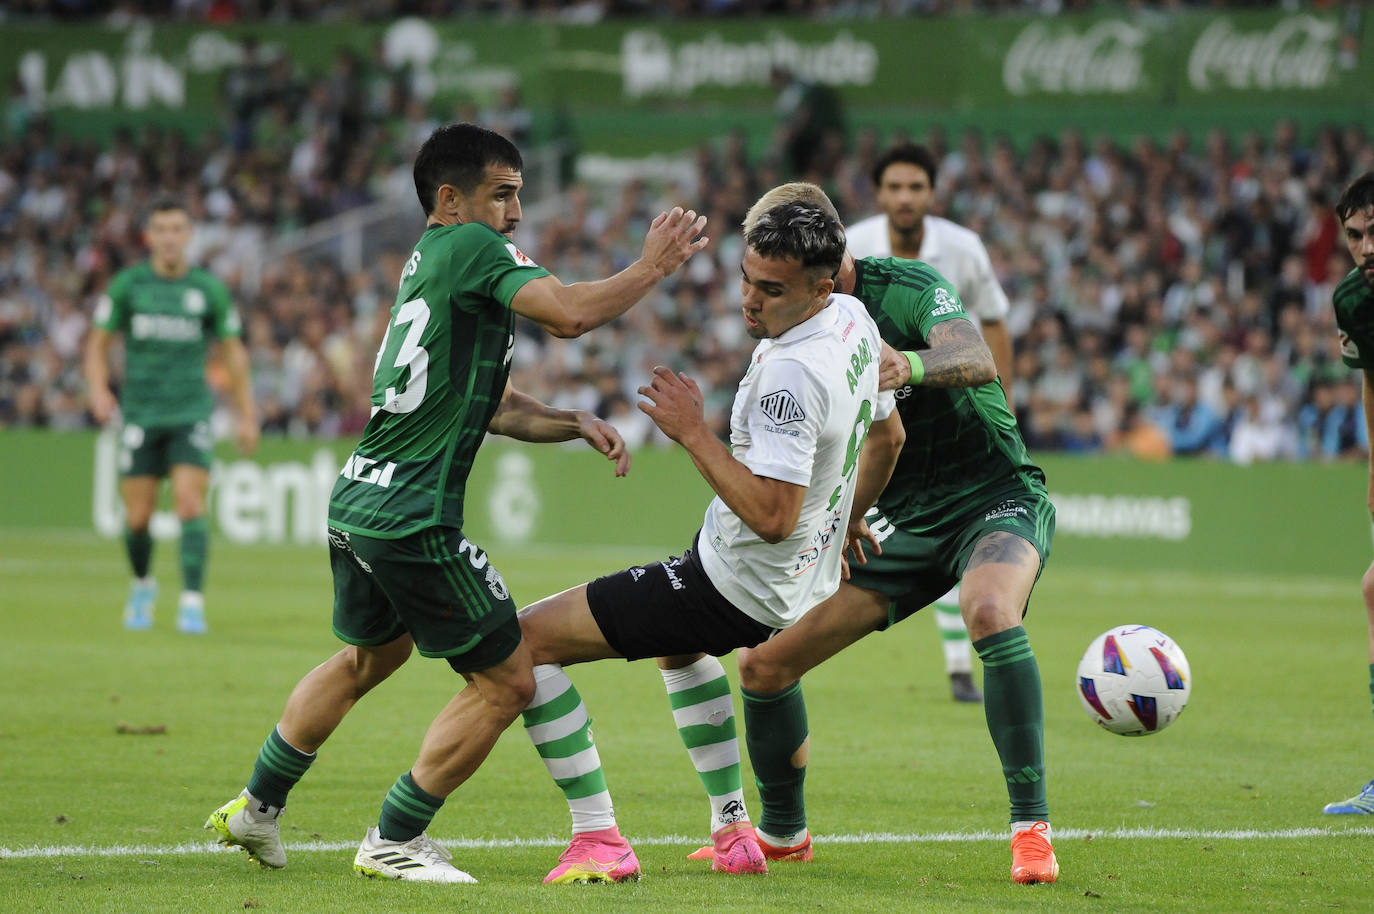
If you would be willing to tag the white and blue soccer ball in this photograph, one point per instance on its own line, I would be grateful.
(1134, 680)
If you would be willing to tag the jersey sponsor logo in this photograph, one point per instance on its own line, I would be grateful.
(781, 407)
(171, 328)
(519, 256)
(1007, 510)
(789, 432)
(805, 560)
(636, 574)
(672, 576)
(366, 469)
(845, 336)
(945, 303)
(193, 300)
(1348, 348)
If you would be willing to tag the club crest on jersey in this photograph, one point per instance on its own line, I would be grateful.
(497, 584)
(781, 407)
(193, 300)
(519, 256)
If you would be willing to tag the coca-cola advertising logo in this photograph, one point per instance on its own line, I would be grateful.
(1106, 58)
(1298, 52)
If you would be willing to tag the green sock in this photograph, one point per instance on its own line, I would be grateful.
(139, 544)
(774, 729)
(1016, 719)
(705, 715)
(279, 766)
(407, 810)
(195, 544)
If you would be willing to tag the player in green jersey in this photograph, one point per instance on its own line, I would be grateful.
(405, 576)
(963, 501)
(1354, 303)
(169, 314)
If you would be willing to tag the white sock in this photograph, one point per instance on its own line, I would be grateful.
(953, 634)
(1027, 826)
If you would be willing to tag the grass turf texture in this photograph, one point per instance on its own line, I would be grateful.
(1219, 813)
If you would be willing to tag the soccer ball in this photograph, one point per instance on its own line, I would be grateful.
(1134, 680)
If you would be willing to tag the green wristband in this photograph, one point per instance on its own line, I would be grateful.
(918, 368)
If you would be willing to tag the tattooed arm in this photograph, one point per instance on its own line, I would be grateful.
(957, 357)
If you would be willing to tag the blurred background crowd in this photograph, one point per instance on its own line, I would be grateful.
(572, 11)
(1168, 296)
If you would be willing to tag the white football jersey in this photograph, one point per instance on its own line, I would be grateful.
(800, 416)
(955, 251)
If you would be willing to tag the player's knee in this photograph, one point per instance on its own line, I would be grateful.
(987, 614)
(519, 694)
(508, 695)
(372, 665)
(1367, 589)
(758, 673)
(188, 505)
(137, 518)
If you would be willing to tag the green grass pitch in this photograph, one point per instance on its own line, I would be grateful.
(1222, 812)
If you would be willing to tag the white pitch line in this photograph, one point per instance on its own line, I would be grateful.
(1065, 834)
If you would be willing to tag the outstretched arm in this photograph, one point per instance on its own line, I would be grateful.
(524, 418)
(957, 357)
(570, 311)
(770, 507)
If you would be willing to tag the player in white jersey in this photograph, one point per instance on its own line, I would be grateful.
(768, 550)
(904, 178)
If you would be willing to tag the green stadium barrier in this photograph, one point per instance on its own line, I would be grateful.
(633, 87)
(1113, 514)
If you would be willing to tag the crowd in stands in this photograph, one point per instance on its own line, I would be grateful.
(1168, 297)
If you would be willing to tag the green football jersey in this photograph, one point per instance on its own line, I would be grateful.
(167, 326)
(961, 442)
(438, 380)
(1354, 303)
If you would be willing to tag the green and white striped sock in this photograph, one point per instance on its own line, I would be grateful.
(953, 633)
(705, 715)
(557, 723)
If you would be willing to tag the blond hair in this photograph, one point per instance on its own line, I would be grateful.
(795, 192)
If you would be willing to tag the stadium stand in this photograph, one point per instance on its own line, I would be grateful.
(1167, 296)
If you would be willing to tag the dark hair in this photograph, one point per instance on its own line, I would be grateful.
(165, 205)
(459, 154)
(1359, 196)
(801, 232)
(911, 154)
